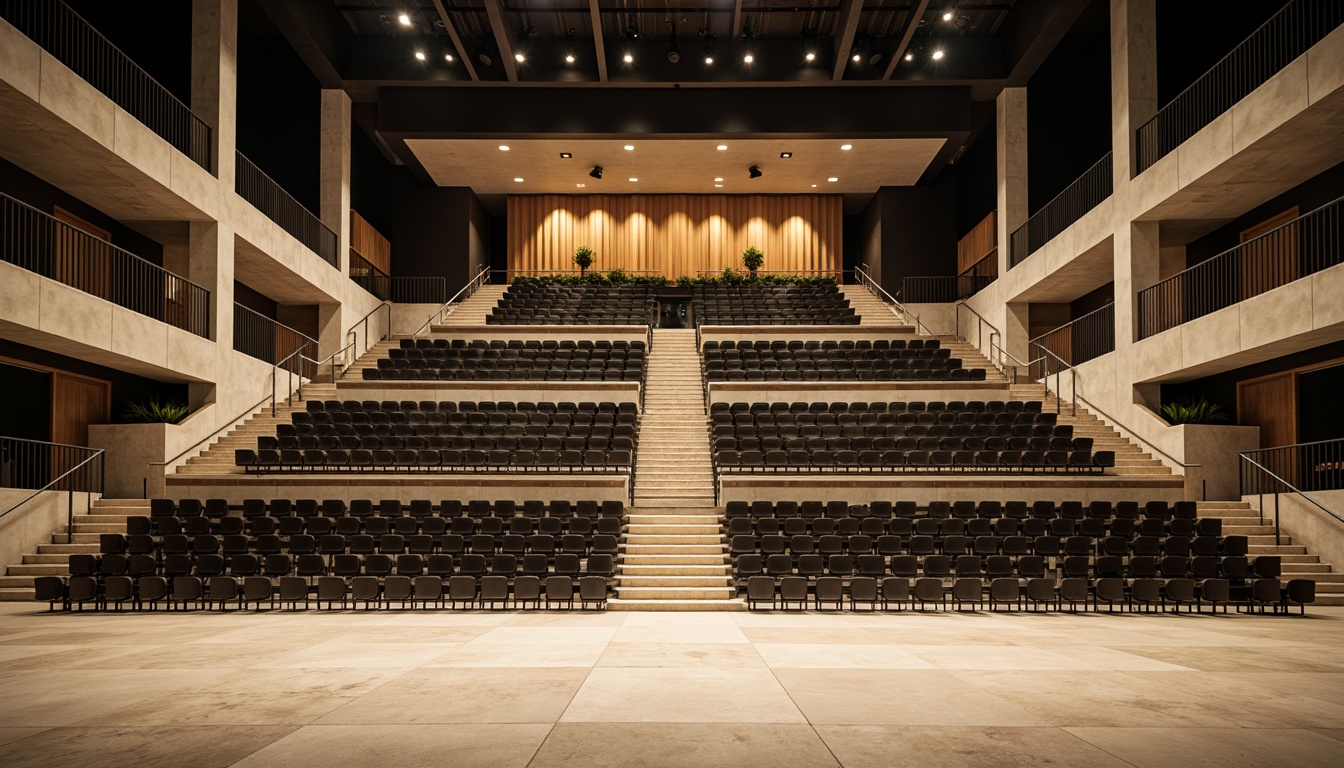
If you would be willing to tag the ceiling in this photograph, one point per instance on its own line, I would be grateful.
(675, 166)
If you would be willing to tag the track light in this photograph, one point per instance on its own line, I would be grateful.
(596, 173)
(754, 172)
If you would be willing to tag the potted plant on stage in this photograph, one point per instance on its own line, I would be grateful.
(752, 259)
(583, 256)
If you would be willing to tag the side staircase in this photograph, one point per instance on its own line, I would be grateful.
(674, 556)
(105, 516)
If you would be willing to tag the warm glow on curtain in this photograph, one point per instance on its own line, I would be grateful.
(674, 235)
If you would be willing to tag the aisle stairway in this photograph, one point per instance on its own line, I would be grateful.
(1130, 459)
(218, 458)
(474, 310)
(870, 309)
(1241, 519)
(674, 555)
(105, 516)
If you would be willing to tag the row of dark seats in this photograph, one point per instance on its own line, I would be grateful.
(905, 527)
(617, 345)
(896, 593)
(862, 409)
(544, 303)
(388, 508)
(729, 442)
(1044, 545)
(757, 304)
(453, 439)
(966, 510)
(376, 525)
(431, 460)
(521, 370)
(1012, 462)
(917, 370)
(580, 542)
(468, 407)
(845, 345)
(372, 592)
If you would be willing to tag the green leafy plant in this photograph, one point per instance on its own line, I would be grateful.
(152, 411)
(731, 276)
(1194, 411)
(583, 257)
(752, 259)
(617, 277)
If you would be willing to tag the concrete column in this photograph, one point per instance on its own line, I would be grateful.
(1137, 266)
(214, 78)
(1011, 129)
(334, 209)
(1133, 78)
(210, 265)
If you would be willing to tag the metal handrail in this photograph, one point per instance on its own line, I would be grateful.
(1111, 419)
(1053, 218)
(994, 346)
(1073, 379)
(275, 367)
(275, 202)
(473, 285)
(979, 327)
(1242, 455)
(227, 425)
(70, 506)
(896, 307)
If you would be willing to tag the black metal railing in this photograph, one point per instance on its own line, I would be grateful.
(1298, 248)
(261, 337)
(1074, 343)
(941, 289)
(1275, 44)
(36, 464)
(76, 44)
(1315, 466)
(41, 243)
(1085, 193)
(253, 185)
(405, 290)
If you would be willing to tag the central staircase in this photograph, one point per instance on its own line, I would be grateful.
(674, 555)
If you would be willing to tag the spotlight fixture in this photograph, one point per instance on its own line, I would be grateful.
(718, 178)
(566, 155)
(631, 29)
(485, 56)
(405, 19)
(947, 16)
(518, 57)
(419, 55)
(754, 172)
(673, 50)
(709, 59)
(629, 59)
(938, 55)
(909, 57)
(810, 56)
(814, 186)
(857, 57)
(748, 58)
(596, 173)
(786, 155)
(448, 57)
(569, 58)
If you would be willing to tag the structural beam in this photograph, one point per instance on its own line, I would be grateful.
(737, 17)
(495, 10)
(599, 45)
(906, 37)
(845, 31)
(456, 38)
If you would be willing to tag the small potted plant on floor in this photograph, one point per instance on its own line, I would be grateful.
(752, 259)
(583, 256)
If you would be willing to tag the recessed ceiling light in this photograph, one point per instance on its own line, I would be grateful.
(938, 54)
(720, 186)
(833, 179)
(580, 185)
(517, 178)
(518, 57)
(855, 58)
(748, 58)
(632, 178)
(709, 59)
(565, 155)
(810, 56)
(718, 178)
(629, 147)
(447, 57)
(846, 147)
(909, 57)
(947, 16)
(814, 186)
(629, 58)
(786, 155)
(722, 147)
(569, 59)
(419, 55)
(503, 147)
(405, 20)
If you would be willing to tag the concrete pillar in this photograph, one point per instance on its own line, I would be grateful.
(1137, 266)
(334, 208)
(1011, 129)
(214, 78)
(1133, 79)
(210, 265)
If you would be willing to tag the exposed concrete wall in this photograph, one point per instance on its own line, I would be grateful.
(33, 523)
(1321, 534)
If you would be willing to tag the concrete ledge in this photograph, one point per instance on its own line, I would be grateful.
(405, 486)
(854, 391)
(535, 391)
(925, 488)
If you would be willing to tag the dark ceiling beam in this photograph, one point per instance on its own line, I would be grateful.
(737, 18)
(847, 27)
(906, 36)
(599, 45)
(316, 32)
(456, 38)
(1031, 31)
(495, 10)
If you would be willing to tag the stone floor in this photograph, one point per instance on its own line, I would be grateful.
(648, 689)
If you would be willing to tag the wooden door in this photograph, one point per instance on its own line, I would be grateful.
(83, 254)
(77, 402)
(1271, 261)
(1271, 404)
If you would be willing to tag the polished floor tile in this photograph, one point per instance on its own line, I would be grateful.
(888, 746)
(641, 695)
(896, 697)
(402, 746)
(478, 695)
(1215, 747)
(683, 745)
(138, 747)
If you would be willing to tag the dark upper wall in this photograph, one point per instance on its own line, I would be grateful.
(1307, 196)
(255, 300)
(976, 174)
(155, 34)
(1221, 388)
(126, 387)
(1091, 302)
(24, 186)
(918, 231)
(1192, 35)
(279, 108)
(439, 232)
(373, 182)
(1069, 108)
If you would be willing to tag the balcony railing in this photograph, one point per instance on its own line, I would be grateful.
(36, 464)
(399, 290)
(261, 337)
(253, 185)
(1301, 247)
(1074, 343)
(1285, 36)
(45, 245)
(943, 289)
(76, 44)
(1085, 193)
(1307, 466)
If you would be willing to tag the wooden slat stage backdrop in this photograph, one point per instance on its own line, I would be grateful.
(674, 235)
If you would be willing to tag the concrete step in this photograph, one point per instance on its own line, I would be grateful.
(625, 604)
(628, 569)
(35, 559)
(674, 549)
(706, 503)
(680, 538)
(678, 528)
(26, 594)
(717, 560)
(643, 517)
(676, 593)
(671, 582)
(60, 569)
(66, 550)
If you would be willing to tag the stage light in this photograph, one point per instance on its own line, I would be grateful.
(754, 172)
(596, 173)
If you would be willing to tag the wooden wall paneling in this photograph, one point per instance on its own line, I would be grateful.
(81, 262)
(77, 402)
(370, 244)
(1271, 262)
(1271, 404)
(978, 243)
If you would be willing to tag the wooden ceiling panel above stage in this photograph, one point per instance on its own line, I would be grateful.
(674, 235)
